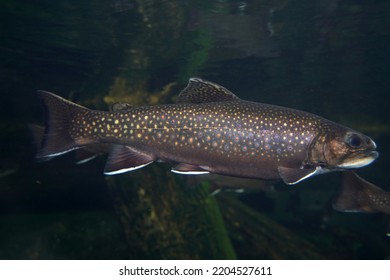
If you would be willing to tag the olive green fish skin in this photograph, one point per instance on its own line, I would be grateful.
(232, 137)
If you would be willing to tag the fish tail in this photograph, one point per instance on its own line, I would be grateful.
(346, 200)
(57, 138)
(354, 195)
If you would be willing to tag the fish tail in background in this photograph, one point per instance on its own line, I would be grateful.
(59, 114)
(347, 200)
(388, 227)
(36, 134)
(359, 195)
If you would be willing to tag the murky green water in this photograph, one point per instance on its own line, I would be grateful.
(326, 57)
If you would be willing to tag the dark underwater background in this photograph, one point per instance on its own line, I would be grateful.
(328, 57)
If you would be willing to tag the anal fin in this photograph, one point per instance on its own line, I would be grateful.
(124, 159)
(189, 169)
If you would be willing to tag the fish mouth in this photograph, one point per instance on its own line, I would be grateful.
(359, 159)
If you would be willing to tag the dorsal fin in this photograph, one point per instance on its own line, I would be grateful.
(200, 91)
(120, 106)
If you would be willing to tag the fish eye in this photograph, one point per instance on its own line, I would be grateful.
(354, 141)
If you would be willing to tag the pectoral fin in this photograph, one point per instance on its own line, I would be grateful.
(124, 159)
(292, 176)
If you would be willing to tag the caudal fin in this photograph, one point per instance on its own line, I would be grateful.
(357, 195)
(59, 113)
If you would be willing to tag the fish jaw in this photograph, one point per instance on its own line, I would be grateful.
(347, 149)
(362, 156)
(359, 160)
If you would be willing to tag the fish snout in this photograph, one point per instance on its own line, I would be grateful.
(358, 151)
(371, 144)
(371, 149)
(359, 142)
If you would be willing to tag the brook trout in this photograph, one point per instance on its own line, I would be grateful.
(208, 130)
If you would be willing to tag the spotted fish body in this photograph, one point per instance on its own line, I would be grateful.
(211, 130)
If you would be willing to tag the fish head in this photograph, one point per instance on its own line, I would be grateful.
(346, 149)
